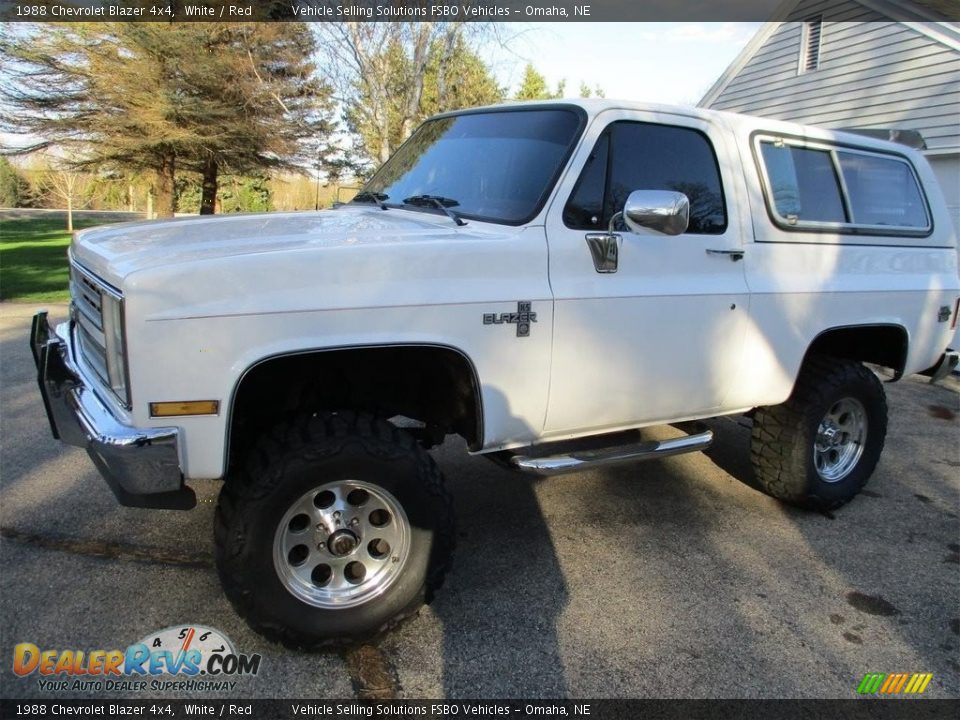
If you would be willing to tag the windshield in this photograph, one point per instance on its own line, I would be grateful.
(496, 166)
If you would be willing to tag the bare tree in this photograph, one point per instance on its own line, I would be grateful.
(369, 60)
(380, 70)
(69, 188)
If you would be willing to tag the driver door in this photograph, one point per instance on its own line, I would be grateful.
(660, 339)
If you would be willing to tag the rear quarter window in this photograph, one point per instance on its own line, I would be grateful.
(803, 184)
(883, 191)
(814, 187)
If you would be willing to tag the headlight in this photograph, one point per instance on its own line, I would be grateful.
(115, 347)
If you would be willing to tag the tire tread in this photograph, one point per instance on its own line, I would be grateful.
(314, 437)
(778, 450)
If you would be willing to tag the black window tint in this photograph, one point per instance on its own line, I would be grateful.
(883, 191)
(648, 157)
(662, 157)
(497, 165)
(584, 209)
(803, 183)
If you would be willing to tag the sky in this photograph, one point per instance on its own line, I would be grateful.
(671, 63)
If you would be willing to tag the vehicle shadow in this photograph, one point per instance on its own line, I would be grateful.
(886, 562)
(730, 450)
(505, 596)
(655, 610)
(676, 578)
(602, 583)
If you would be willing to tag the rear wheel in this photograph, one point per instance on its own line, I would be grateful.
(819, 448)
(338, 529)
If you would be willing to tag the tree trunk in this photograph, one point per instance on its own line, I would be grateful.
(449, 46)
(166, 196)
(384, 141)
(70, 213)
(208, 197)
(421, 53)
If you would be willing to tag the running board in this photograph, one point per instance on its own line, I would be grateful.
(589, 459)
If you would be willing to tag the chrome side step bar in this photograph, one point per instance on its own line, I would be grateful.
(589, 459)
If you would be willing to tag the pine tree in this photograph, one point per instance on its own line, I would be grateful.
(534, 86)
(166, 96)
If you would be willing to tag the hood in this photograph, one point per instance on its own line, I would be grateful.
(114, 252)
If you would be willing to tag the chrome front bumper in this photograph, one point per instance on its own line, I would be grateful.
(141, 465)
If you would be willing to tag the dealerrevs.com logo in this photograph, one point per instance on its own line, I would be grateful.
(199, 658)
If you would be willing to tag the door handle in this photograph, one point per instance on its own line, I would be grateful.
(734, 255)
(605, 250)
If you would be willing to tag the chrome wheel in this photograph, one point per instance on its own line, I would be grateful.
(341, 544)
(840, 440)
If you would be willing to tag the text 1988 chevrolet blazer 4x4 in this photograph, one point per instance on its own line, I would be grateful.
(535, 278)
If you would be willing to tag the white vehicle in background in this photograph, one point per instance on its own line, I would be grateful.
(538, 278)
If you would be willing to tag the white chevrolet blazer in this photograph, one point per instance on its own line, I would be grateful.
(539, 278)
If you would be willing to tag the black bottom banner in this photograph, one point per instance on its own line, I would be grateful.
(874, 709)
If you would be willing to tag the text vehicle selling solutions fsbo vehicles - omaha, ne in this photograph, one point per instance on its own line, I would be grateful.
(535, 278)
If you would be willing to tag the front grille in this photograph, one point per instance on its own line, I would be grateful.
(87, 292)
(87, 296)
(93, 351)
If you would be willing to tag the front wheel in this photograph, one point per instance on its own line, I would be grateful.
(337, 530)
(819, 448)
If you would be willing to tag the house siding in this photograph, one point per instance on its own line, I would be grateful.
(874, 73)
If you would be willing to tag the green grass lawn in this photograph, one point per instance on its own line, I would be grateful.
(33, 254)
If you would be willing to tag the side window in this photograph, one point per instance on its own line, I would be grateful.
(803, 183)
(641, 156)
(854, 190)
(883, 191)
(584, 209)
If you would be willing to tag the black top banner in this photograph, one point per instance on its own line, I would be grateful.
(427, 10)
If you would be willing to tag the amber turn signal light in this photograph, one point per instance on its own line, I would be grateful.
(191, 407)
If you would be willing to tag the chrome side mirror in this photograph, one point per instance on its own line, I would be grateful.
(663, 211)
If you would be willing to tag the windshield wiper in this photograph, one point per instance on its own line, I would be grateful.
(437, 201)
(371, 197)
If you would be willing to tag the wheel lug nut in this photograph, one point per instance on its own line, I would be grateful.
(355, 522)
